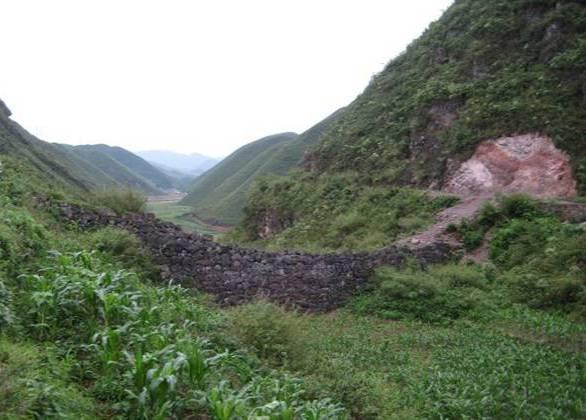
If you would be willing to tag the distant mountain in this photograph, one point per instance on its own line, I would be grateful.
(220, 194)
(181, 180)
(77, 168)
(124, 167)
(192, 164)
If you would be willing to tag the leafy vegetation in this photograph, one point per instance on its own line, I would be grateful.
(120, 200)
(220, 194)
(126, 168)
(441, 294)
(78, 169)
(334, 212)
(132, 349)
(543, 259)
(485, 69)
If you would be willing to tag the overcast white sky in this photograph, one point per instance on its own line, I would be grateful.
(194, 76)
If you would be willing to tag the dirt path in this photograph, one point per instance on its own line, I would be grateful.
(467, 208)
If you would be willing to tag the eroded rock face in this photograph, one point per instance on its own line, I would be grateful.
(528, 163)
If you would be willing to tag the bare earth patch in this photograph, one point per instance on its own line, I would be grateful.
(528, 163)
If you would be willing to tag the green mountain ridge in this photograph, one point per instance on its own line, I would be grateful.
(78, 168)
(484, 70)
(220, 194)
(124, 167)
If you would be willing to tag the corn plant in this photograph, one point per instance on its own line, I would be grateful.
(227, 404)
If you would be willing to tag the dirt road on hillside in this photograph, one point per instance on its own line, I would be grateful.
(467, 208)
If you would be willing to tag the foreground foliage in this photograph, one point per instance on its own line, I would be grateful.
(334, 213)
(147, 352)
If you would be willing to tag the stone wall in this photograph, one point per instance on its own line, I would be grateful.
(311, 282)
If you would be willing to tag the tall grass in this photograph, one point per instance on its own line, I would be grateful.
(120, 200)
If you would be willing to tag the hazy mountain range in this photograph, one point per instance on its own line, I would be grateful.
(193, 164)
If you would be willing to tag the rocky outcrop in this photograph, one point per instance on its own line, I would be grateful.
(527, 163)
(4, 110)
(235, 275)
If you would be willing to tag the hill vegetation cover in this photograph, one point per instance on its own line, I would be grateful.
(484, 70)
(221, 193)
(82, 168)
(88, 329)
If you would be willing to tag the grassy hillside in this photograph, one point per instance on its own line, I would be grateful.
(123, 167)
(220, 193)
(484, 70)
(134, 163)
(87, 332)
(58, 166)
(81, 168)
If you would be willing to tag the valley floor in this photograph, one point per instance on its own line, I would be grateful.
(171, 211)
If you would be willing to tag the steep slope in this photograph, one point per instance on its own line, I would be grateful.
(136, 164)
(485, 70)
(220, 193)
(77, 168)
(123, 167)
(491, 97)
(192, 164)
(57, 166)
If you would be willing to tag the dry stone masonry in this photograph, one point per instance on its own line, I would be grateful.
(311, 282)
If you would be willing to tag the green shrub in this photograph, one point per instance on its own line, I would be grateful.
(34, 384)
(120, 200)
(6, 314)
(515, 206)
(439, 294)
(520, 239)
(21, 238)
(271, 331)
(142, 351)
(124, 247)
(543, 263)
(545, 291)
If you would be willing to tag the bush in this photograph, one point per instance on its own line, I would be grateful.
(34, 384)
(515, 206)
(520, 239)
(120, 200)
(544, 291)
(544, 262)
(21, 238)
(440, 294)
(270, 330)
(6, 315)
